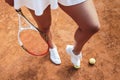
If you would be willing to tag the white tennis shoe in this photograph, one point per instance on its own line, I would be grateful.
(75, 59)
(54, 56)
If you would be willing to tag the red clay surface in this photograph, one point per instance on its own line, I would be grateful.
(16, 64)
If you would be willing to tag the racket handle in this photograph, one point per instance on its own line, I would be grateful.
(18, 10)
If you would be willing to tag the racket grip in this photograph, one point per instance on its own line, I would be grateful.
(18, 10)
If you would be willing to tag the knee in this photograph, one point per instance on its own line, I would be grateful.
(93, 28)
(46, 27)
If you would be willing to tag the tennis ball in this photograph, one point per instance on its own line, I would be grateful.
(92, 61)
(76, 67)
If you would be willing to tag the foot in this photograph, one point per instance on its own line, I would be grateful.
(75, 59)
(54, 56)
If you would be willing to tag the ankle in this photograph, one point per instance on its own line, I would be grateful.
(51, 46)
(75, 52)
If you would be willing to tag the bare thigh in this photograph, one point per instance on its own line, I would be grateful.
(84, 14)
(43, 21)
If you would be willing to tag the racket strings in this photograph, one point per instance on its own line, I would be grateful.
(43, 34)
(34, 42)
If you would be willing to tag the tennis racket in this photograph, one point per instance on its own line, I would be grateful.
(30, 38)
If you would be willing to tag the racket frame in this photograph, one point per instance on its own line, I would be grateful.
(30, 27)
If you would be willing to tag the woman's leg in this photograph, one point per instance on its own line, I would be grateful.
(84, 14)
(44, 23)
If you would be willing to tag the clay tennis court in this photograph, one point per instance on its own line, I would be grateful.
(16, 64)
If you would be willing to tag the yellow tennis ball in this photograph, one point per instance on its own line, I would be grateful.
(76, 67)
(92, 61)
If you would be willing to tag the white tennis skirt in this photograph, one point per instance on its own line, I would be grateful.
(40, 5)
